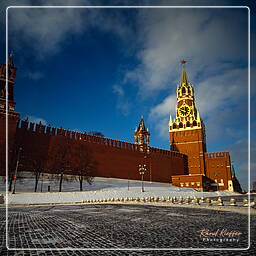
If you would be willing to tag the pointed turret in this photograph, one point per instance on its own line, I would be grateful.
(235, 181)
(170, 120)
(198, 116)
(142, 126)
(141, 134)
(184, 77)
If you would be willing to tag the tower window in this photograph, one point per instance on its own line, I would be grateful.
(174, 126)
(180, 125)
(188, 124)
(183, 90)
(188, 91)
(194, 123)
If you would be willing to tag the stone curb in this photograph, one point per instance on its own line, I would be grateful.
(170, 201)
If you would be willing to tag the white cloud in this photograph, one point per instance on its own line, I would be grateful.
(165, 108)
(123, 104)
(162, 128)
(168, 35)
(220, 99)
(47, 30)
(37, 120)
(223, 90)
(118, 90)
(43, 30)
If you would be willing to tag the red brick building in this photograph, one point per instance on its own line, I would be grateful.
(186, 164)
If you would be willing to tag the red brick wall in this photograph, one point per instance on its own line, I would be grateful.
(12, 125)
(116, 159)
(190, 142)
(218, 168)
(35, 145)
(188, 181)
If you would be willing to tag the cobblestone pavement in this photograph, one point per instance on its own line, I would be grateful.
(122, 226)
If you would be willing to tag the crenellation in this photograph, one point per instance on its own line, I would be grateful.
(78, 136)
(53, 130)
(48, 130)
(93, 139)
(63, 132)
(82, 136)
(68, 134)
(216, 154)
(24, 124)
(18, 124)
(31, 126)
(43, 129)
(39, 128)
(59, 131)
(73, 135)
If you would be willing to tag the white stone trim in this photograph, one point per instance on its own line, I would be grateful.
(230, 186)
(184, 129)
(188, 142)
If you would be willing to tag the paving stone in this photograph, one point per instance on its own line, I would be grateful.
(120, 226)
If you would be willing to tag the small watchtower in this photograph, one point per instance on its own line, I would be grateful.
(141, 134)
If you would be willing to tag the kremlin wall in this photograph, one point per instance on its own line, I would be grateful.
(186, 164)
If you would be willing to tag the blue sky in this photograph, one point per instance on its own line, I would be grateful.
(102, 69)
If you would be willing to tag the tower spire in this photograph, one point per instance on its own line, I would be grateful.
(142, 126)
(141, 134)
(184, 77)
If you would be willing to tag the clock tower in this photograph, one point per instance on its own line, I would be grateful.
(187, 132)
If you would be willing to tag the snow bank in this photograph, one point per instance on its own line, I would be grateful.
(104, 188)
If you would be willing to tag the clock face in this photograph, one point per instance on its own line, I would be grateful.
(184, 110)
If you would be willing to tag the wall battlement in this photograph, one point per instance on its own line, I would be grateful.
(38, 128)
(216, 154)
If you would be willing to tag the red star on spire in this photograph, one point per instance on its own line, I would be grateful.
(183, 62)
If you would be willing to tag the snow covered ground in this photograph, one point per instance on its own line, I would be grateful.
(102, 188)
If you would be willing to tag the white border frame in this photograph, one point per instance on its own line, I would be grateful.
(130, 249)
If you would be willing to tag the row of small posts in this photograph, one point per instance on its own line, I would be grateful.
(173, 200)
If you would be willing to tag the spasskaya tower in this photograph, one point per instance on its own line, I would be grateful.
(187, 132)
